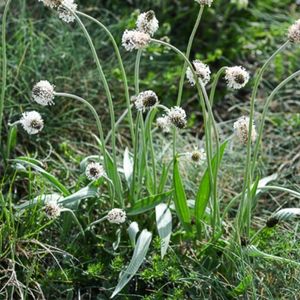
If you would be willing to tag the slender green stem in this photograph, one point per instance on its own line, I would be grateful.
(123, 73)
(214, 85)
(263, 117)
(187, 54)
(280, 189)
(247, 177)
(4, 64)
(137, 72)
(205, 103)
(117, 180)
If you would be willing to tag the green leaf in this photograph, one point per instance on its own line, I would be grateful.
(180, 200)
(241, 288)
(137, 259)
(164, 226)
(203, 193)
(36, 166)
(148, 203)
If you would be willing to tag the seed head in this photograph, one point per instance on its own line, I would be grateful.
(52, 209)
(116, 216)
(205, 2)
(177, 117)
(147, 23)
(294, 32)
(163, 123)
(241, 128)
(66, 11)
(94, 171)
(202, 70)
(43, 93)
(236, 77)
(134, 40)
(32, 122)
(146, 100)
(198, 156)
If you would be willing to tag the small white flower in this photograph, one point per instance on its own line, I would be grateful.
(202, 70)
(66, 10)
(32, 122)
(94, 171)
(134, 40)
(145, 100)
(177, 117)
(43, 93)
(294, 32)
(163, 123)
(236, 77)
(241, 129)
(205, 2)
(198, 156)
(51, 3)
(52, 209)
(116, 216)
(147, 23)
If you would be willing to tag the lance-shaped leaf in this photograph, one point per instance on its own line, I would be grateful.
(203, 193)
(36, 166)
(127, 166)
(164, 226)
(148, 203)
(137, 259)
(180, 200)
(133, 230)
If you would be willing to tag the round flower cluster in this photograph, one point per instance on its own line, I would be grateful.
(175, 116)
(198, 156)
(205, 2)
(146, 26)
(236, 77)
(52, 209)
(294, 32)
(32, 122)
(43, 93)
(116, 216)
(202, 70)
(145, 100)
(241, 129)
(65, 8)
(94, 171)
(147, 23)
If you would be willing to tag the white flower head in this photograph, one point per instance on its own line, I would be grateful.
(198, 156)
(163, 123)
(205, 2)
(294, 32)
(145, 100)
(51, 3)
(202, 70)
(66, 11)
(116, 216)
(134, 40)
(241, 129)
(236, 77)
(52, 209)
(147, 23)
(32, 122)
(177, 117)
(94, 171)
(43, 93)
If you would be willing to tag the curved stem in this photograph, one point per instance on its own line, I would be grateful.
(4, 63)
(247, 176)
(117, 180)
(214, 85)
(124, 76)
(137, 72)
(263, 117)
(187, 54)
(205, 103)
